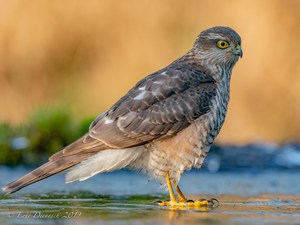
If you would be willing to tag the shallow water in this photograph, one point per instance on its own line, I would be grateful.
(269, 197)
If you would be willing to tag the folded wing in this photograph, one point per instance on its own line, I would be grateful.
(159, 106)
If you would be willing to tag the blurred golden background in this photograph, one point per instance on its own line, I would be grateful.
(85, 55)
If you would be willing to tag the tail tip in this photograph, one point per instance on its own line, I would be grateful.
(6, 190)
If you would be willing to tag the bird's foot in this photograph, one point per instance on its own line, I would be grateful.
(197, 204)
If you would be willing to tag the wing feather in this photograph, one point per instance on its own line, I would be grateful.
(160, 105)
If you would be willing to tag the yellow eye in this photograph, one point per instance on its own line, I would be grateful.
(222, 44)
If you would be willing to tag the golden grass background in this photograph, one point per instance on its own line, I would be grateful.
(86, 54)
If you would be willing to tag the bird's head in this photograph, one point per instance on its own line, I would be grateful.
(219, 46)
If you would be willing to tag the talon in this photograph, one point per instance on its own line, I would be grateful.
(157, 201)
(202, 204)
(214, 202)
(181, 202)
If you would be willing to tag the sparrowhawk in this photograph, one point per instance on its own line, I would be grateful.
(163, 126)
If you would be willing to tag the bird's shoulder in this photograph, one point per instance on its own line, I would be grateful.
(172, 80)
(159, 106)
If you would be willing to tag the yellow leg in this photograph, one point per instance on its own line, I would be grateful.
(172, 195)
(173, 199)
(182, 198)
(202, 204)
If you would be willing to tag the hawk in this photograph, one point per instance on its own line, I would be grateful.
(163, 126)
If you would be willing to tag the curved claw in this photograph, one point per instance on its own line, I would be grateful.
(157, 201)
(214, 202)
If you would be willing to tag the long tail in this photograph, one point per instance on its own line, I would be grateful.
(48, 169)
(70, 156)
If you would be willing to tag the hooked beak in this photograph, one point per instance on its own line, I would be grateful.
(239, 51)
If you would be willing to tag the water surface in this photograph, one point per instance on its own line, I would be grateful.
(124, 197)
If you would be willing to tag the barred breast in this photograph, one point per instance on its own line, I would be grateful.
(216, 116)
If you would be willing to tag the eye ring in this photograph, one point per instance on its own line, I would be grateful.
(222, 44)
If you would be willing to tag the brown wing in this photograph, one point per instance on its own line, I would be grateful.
(159, 106)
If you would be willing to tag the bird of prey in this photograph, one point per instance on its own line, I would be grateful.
(163, 126)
